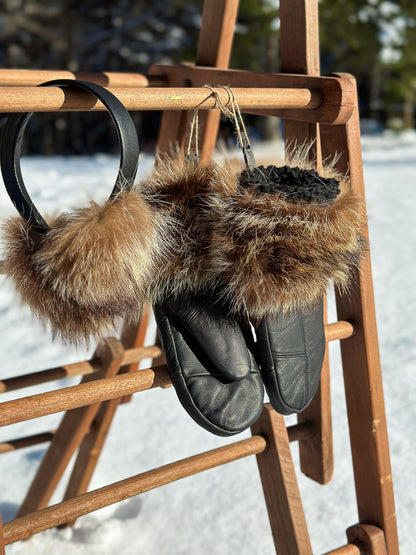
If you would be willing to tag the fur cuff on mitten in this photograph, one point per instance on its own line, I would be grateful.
(179, 190)
(91, 266)
(279, 235)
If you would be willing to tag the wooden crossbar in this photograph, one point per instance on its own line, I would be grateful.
(28, 441)
(73, 508)
(82, 395)
(75, 369)
(33, 77)
(51, 99)
(296, 432)
(100, 390)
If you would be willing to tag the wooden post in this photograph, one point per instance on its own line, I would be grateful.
(361, 362)
(316, 452)
(214, 50)
(69, 435)
(280, 487)
(299, 43)
(2, 546)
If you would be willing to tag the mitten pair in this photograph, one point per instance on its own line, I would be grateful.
(219, 369)
(257, 248)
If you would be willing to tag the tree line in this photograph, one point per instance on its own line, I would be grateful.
(373, 39)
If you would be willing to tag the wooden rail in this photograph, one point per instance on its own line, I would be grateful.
(51, 99)
(33, 77)
(73, 508)
(296, 432)
(76, 369)
(81, 395)
(21, 443)
(337, 330)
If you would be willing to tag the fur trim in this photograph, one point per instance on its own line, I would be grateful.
(90, 267)
(278, 255)
(180, 190)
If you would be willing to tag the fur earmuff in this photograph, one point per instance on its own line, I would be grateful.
(275, 253)
(91, 266)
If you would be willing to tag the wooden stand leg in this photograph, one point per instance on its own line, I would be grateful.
(134, 335)
(214, 50)
(299, 18)
(316, 452)
(361, 364)
(90, 451)
(69, 435)
(280, 486)
(2, 546)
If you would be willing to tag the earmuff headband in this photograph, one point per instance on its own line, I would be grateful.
(11, 146)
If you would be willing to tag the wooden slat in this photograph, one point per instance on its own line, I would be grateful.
(76, 369)
(81, 395)
(295, 432)
(21, 443)
(361, 363)
(94, 500)
(38, 99)
(33, 77)
(280, 487)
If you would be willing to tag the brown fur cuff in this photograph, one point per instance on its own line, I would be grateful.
(274, 254)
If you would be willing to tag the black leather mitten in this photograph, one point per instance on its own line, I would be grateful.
(290, 353)
(211, 367)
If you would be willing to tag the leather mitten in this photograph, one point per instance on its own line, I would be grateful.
(290, 352)
(212, 370)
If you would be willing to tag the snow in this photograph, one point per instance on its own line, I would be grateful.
(220, 511)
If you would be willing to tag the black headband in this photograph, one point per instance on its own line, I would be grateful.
(11, 145)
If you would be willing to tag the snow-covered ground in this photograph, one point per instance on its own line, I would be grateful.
(220, 511)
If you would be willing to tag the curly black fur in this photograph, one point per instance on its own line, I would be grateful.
(295, 184)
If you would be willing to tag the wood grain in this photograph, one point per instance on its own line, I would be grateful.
(69, 435)
(280, 487)
(82, 368)
(370, 537)
(214, 50)
(33, 77)
(81, 395)
(94, 500)
(361, 363)
(336, 93)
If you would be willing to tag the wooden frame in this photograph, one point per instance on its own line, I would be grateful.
(320, 110)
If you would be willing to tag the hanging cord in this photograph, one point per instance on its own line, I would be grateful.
(234, 114)
(194, 131)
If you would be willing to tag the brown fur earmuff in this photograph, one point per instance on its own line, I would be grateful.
(91, 266)
(276, 254)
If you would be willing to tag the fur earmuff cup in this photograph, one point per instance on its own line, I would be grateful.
(275, 254)
(92, 266)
